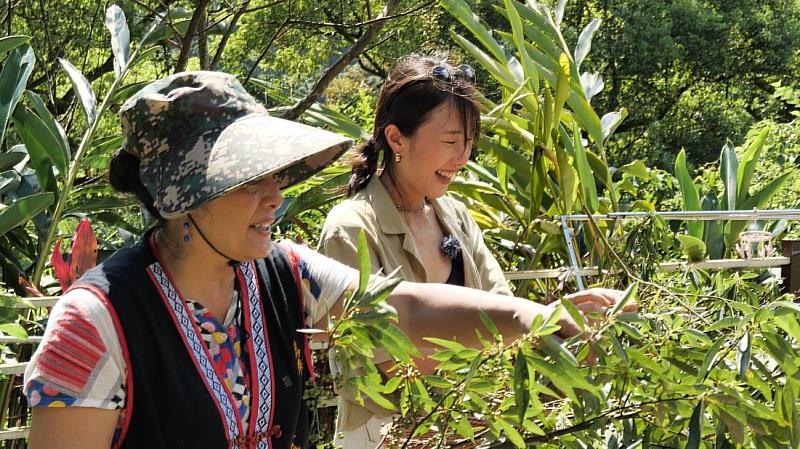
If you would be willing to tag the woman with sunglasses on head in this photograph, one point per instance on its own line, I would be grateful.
(189, 339)
(427, 119)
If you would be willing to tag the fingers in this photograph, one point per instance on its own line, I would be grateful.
(604, 296)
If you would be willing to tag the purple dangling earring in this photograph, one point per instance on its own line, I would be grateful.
(185, 232)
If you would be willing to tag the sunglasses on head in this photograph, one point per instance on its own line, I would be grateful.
(443, 73)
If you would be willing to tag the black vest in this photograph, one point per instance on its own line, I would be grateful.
(173, 400)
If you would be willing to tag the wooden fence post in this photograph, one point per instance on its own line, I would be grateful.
(791, 272)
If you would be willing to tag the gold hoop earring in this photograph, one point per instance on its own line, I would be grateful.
(398, 157)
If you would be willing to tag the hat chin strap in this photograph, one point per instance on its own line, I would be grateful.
(233, 263)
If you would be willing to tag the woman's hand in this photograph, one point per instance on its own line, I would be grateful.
(592, 301)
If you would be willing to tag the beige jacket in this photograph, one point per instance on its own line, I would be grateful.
(392, 245)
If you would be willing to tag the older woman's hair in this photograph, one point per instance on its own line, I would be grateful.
(406, 100)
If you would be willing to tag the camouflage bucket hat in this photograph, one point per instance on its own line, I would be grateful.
(200, 135)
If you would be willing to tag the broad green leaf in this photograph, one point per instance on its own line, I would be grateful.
(510, 432)
(743, 356)
(9, 181)
(636, 168)
(562, 91)
(14, 330)
(83, 89)
(713, 229)
(23, 210)
(568, 181)
(529, 69)
(463, 427)
(691, 199)
(97, 203)
(9, 43)
(39, 139)
(587, 184)
(628, 296)
(728, 172)
(522, 396)
(592, 84)
(562, 4)
(10, 159)
(13, 78)
(449, 344)
(600, 169)
(710, 359)
(364, 264)
(487, 321)
(462, 12)
(696, 427)
(574, 313)
(52, 124)
(748, 165)
(321, 116)
(120, 37)
(611, 121)
(585, 42)
(694, 248)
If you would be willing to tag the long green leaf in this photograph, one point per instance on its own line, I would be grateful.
(13, 78)
(585, 42)
(728, 172)
(39, 139)
(52, 124)
(748, 164)
(83, 89)
(529, 69)
(462, 12)
(695, 427)
(9, 181)
(9, 43)
(10, 159)
(587, 184)
(522, 396)
(691, 200)
(364, 264)
(23, 210)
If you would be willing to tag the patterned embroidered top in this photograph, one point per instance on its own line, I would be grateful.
(80, 364)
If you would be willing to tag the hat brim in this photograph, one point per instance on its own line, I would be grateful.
(247, 150)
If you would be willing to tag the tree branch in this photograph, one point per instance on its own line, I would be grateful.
(186, 42)
(226, 37)
(352, 53)
(272, 39)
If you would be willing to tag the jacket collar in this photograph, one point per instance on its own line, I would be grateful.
(391, 220)
(388, 217)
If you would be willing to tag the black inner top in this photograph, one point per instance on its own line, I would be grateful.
(457, 272)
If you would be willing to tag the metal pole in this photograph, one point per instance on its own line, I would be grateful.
(704, 215)
(573, 258)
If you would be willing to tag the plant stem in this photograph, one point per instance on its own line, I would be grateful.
(44, 247)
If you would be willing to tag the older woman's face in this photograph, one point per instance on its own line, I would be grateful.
(239, 223)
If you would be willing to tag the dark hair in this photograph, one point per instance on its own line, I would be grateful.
(123, 173)
(406, 101)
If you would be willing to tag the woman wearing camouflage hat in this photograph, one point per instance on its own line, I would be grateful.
(188, 339)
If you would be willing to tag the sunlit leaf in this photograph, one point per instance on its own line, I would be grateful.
(83, 90)
(120, 37)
